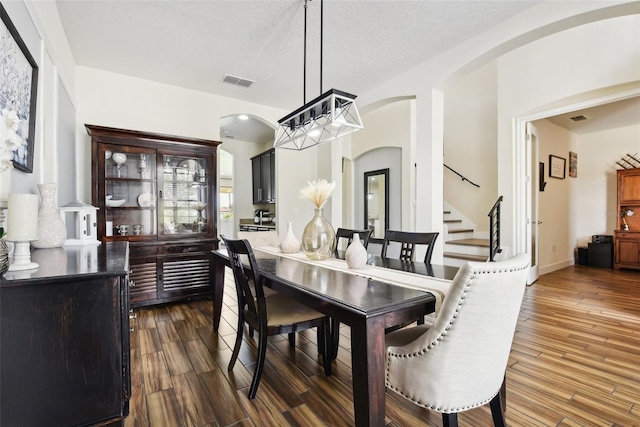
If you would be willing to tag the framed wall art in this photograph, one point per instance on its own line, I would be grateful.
(18, 89)
(557, 166)
(573, 164)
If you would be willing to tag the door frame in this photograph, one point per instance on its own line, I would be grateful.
(523, 236)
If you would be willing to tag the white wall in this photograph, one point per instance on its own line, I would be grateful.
(558, 69)
(115, 100)
(387, 126)
(595, 198)
(556, 234)
(470, 144)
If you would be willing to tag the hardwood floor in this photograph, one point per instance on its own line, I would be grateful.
(575, 361)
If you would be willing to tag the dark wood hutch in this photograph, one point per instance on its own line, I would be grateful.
(159, 193)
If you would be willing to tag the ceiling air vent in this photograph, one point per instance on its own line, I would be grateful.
(238, 81)
(579, 118)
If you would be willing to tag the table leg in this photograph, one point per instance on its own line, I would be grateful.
(218, 292)
(368, 361)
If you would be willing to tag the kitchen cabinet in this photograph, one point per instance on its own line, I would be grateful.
(65, 339)
(158, 192)
(263, 168)
(627, 233)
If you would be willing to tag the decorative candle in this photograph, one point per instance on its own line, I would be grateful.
(22, 225)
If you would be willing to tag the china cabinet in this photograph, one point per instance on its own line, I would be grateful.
(627, 233)
(159, 193)
(263, 168)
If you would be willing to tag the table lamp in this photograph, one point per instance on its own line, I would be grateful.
(22, 228)
(627, 212)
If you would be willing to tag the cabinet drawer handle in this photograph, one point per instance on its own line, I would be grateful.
(133, 316)
(131, 283)
(160, 194)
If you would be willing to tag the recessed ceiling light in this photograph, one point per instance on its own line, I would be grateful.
(243, 117)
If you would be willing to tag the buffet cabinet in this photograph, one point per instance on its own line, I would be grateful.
(627, 233)
(159, 193)
(64, 342)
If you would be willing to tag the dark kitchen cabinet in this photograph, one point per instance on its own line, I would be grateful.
(263, 168)
(159, 192)
(64, 344)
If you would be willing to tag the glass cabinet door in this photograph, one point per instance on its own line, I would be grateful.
(184, 197)
(130, 192)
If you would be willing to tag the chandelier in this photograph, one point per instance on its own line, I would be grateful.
(333, 114)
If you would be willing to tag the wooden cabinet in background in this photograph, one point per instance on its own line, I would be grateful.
(627, 233)
(159, 192)
(263, 170)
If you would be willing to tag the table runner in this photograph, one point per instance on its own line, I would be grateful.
(437, 287)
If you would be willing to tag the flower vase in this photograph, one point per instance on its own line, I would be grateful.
(52, 231)
(318, 237)
(290, 243)
(356, 254)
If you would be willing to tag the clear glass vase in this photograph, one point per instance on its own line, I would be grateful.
(319, 237)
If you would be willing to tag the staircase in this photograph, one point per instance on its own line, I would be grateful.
(461, 242)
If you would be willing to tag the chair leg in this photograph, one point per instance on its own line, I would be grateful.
(262, 353)
(496, 411)
(450, 420)
(335, 338)
(292, 339)
(327, 348)
(236, 347)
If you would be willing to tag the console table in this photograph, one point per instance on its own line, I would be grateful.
(65, 338)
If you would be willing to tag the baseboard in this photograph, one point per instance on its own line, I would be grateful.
(557, 266)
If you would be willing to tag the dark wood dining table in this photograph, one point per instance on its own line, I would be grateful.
(368, 306)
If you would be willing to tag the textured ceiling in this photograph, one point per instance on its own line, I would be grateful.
(193, 44)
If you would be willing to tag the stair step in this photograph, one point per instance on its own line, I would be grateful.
(466, 257)
(470, 242)
(461, 230)
(451, 221)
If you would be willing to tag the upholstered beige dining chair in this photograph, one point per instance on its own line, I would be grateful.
(459, 362)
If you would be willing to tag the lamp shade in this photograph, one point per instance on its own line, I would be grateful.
(22, 224)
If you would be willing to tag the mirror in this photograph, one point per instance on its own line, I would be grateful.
(376, 202)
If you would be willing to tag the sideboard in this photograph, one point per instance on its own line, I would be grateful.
(64, 347)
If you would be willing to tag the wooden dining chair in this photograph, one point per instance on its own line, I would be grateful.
(347, 233)
(269, 315)
(459, 361)
(408, 241)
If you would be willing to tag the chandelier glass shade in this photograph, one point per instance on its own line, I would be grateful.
(333, 114)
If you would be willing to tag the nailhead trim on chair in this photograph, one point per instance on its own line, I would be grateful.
(438, 339)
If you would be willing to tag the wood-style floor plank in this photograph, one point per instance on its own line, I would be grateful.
(575, 361)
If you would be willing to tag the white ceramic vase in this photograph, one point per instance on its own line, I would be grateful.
(356, 254)
(290, 244)
(51, 229)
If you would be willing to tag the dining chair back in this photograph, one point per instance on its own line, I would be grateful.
(269, 314)
(347, 233)
(408, 241)
(459, 362)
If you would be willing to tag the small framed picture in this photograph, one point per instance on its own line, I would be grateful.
(557, 166)
(573, 164)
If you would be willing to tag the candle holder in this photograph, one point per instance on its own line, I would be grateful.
(22, 228)
(22, 257)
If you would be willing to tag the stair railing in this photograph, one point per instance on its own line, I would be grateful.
(494, 230)
(463, 178)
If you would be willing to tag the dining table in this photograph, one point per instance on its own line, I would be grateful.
(369, 300)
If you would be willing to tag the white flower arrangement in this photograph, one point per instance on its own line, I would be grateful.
(318, 192)
(10, 141)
